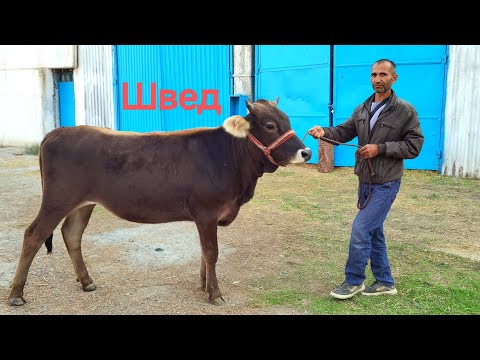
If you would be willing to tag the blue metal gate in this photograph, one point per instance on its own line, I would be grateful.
(421, 81)
(66, 98)
(300, 75)
(174, 68)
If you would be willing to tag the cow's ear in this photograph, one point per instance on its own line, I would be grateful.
(236, 126)
(275, 102)
(250, 106)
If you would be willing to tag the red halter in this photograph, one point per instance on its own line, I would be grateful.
(267, 149)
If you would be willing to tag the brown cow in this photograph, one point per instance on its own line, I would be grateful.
(202, 175)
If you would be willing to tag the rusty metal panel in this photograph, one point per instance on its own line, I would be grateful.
(462, 113)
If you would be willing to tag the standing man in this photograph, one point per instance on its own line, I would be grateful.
(388, 131)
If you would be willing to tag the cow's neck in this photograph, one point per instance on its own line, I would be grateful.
(255, 165)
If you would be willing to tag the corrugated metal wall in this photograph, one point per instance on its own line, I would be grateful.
(462, 113)
(177, 68)
(416, 64)
(300, 75)
(94, 86)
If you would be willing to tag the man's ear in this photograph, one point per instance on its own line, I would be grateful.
(237, 126)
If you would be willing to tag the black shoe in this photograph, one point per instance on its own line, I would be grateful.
(345, 291)
(378, 288)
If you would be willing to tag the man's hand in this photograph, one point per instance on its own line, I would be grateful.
(316, 131)
(369, 151)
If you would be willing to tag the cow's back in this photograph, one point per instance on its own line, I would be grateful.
(143, 177)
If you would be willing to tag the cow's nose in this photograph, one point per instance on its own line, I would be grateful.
(306, 154)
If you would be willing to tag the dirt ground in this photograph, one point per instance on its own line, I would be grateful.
(138, 269)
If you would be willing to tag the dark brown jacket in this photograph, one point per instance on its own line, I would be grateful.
(397, 132)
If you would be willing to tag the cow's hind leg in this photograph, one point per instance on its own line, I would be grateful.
(207, 231)
(72, 231)
(35, 235)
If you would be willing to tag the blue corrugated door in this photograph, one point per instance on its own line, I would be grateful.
(66, 98)
(421, 80)
(300, 75)
(175, 68)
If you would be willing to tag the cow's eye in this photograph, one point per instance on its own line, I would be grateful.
(270, 126)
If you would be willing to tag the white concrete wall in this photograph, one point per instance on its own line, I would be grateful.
(462, 112)
(37, 56)
(28, 103)
(26, 106)
(242, 70)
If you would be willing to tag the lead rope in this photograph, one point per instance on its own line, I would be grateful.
(362, 161)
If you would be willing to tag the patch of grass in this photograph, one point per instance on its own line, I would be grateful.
(22, 225)
(285, 173)
(15, 162)
(282, 297)
(437, 287)
(32, 150)
(428, 196)
(433, 218)
(100, 210)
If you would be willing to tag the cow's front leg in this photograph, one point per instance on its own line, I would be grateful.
(207, 231)
(203, 274)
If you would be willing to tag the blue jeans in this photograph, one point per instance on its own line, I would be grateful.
(367, 240)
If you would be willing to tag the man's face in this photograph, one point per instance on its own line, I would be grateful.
(382, 78)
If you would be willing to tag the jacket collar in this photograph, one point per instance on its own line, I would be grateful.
(392, 103)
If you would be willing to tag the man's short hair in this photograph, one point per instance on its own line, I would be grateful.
(393, 65)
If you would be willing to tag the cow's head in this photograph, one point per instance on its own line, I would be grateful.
(268, 128)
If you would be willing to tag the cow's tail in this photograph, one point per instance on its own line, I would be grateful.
(40, 159)
(48, 242)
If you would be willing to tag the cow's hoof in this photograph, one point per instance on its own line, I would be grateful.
(217, 301)
(90, 287)
(17, 301)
